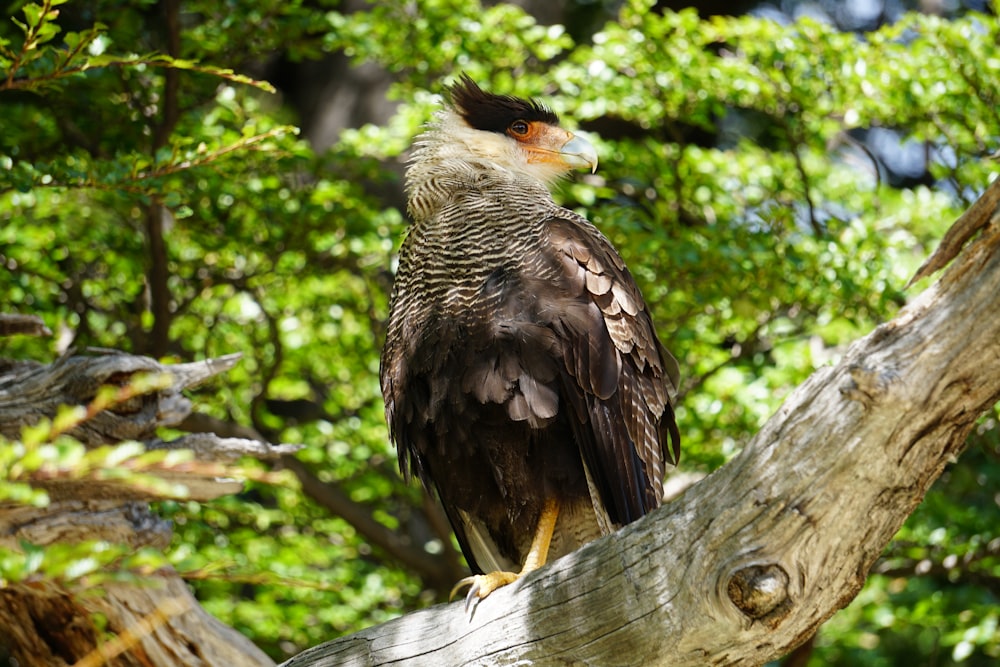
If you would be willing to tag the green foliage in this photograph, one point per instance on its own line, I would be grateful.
(78, 566)
(79, 61)
(763, 236)
(44, 456)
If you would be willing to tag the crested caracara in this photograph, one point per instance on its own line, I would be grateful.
(522, 377)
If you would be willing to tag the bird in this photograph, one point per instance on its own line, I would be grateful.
(523, 379)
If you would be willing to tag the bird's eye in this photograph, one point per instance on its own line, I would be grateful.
(519, 128)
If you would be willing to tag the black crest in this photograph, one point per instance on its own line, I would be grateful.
(494, 113)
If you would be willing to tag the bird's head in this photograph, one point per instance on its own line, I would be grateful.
(504, 132)
(520, 135)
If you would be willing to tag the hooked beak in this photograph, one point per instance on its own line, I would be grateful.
(578, 152)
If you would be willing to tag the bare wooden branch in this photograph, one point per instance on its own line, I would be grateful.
(31, 391)
(157, 621)
(210, 447)
(746, 564)
(12, 324)
(965, 227)
(181, 633)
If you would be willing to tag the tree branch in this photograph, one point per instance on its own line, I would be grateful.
(159, 291)
(158, 622)
(746, 564)
(438, 572)
(26, 325)
(970, 222)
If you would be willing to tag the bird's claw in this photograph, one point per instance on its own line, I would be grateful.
(481, 585)
(473, 589)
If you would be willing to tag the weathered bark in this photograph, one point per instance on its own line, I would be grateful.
(156, 621)
(747, 563)
(30, 391)
(14, 323)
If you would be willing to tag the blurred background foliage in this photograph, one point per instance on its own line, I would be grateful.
(188, 179)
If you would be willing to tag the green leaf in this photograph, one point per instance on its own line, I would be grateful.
(34, 14)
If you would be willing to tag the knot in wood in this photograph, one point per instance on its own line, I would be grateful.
(867, 384)
(761, 592)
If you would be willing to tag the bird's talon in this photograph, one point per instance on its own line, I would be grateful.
(481, 585)
(472, 597)
(467, 581)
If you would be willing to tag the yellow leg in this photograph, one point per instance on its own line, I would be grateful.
(484, 584)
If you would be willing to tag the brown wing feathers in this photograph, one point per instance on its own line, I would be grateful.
(626, 375)
(615, 378)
